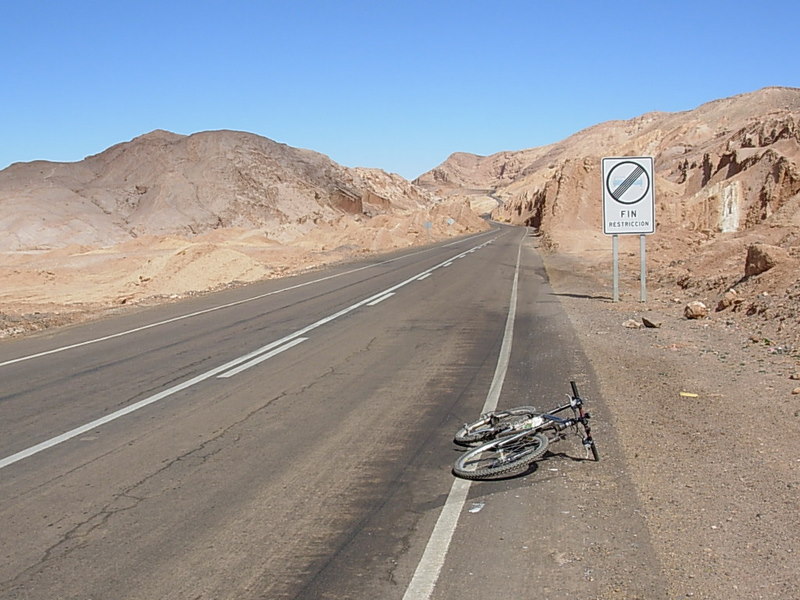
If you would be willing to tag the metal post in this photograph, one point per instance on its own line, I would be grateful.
(642, 269)
(615, 268)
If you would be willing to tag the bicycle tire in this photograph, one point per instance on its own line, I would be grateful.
(502, 456)
(595, 454)
(490, 424)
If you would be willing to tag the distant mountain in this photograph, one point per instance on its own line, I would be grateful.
(163, 183)
(729, 165)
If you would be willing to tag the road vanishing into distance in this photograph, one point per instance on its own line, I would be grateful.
(293, 439)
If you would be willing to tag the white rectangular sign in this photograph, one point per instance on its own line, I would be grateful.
(628, 195)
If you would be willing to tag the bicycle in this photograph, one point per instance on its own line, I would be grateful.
(518, 437)
(495, 424)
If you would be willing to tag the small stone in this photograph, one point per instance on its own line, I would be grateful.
(794, 376)
(728, 298)
(632, 324)
(796, 391)
(695, 310)
(651, 324)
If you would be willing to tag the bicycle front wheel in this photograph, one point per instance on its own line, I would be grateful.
(501, 456)
(491, 424)
(595, 453)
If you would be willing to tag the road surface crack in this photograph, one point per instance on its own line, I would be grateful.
(132, 497)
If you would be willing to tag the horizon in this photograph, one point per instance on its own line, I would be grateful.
(398, 87)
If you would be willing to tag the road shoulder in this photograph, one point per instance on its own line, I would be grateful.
(696, 406)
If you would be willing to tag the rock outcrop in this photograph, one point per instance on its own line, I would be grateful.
(725, 167)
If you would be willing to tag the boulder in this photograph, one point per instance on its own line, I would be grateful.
(762, 257)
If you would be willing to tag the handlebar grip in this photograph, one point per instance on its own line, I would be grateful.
(574, 390)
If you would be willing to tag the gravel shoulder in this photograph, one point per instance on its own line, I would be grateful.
(708, 423)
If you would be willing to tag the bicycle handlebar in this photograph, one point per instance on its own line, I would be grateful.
(572, 403)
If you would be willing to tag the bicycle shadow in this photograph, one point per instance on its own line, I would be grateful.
(548, 455)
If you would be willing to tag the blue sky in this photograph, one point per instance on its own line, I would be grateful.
(394, 85)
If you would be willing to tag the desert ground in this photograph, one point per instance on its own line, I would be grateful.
(708, 412)
(701, 382)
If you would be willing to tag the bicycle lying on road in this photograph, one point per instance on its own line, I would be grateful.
(514, 438)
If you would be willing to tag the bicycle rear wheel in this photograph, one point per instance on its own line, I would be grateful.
(501, 456)
(491, 424)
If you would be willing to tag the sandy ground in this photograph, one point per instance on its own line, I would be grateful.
(707, 418)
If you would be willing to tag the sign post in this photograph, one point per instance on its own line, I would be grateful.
(615, 265)
(628, 207)
(642, 270)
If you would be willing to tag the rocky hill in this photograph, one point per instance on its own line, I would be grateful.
(727, 177)
(165, 215)
(167, 184)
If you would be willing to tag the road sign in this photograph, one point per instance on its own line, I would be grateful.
(628, 195)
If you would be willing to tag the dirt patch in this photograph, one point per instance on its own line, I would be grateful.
(708, 421)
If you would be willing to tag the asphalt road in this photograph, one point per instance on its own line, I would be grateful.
(292, 439)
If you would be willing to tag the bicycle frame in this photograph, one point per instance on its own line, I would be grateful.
(560, 424)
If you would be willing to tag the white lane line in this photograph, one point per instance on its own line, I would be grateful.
(10, 460)
(262, 358)
(215, 308)
(475, 237)
(425, 276)
(381, 299)
(432, 561)
(199, 378)
(424, 580)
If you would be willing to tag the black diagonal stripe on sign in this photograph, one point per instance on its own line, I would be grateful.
(625, 185)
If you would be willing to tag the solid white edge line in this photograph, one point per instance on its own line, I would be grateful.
(262, 358)
(505, 350)
(430, 565)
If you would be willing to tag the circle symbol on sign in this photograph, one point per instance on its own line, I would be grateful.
(628, 182)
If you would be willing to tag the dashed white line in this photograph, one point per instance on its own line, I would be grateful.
(381, 299)
(262, 358)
